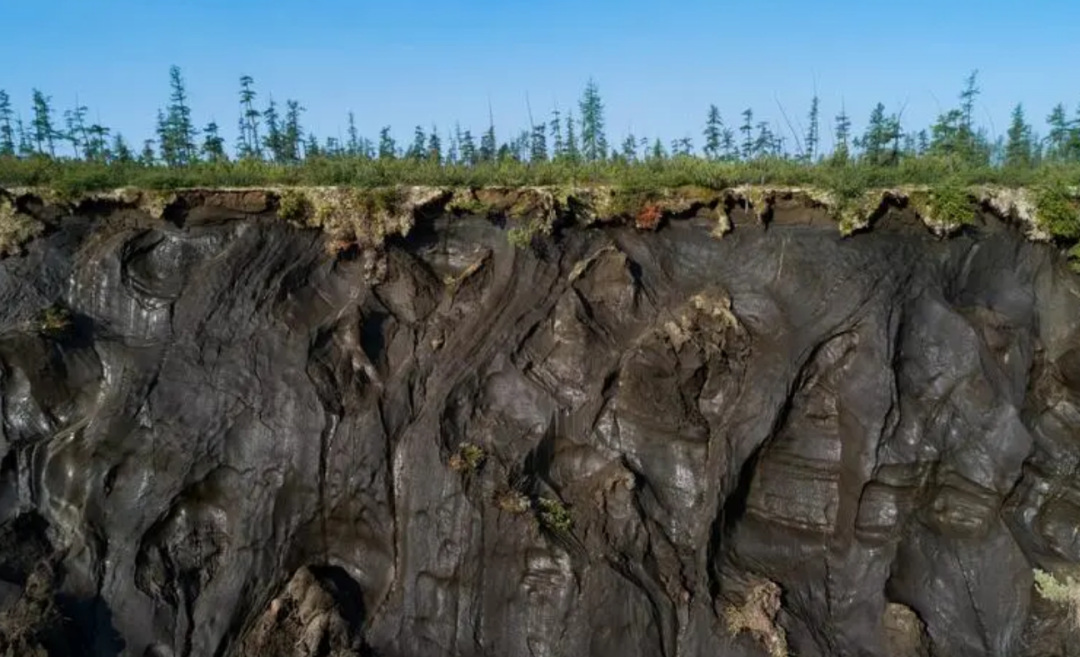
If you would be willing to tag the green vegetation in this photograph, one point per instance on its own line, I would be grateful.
(946, 206)
(568, 155)
(54, 321)
(1058, 210)
(15, 228)
(554, 515)
(292, 205)
(274, 148)
(468, 458)
(1055, 590)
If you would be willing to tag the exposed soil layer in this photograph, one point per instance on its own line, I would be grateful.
(396, 427)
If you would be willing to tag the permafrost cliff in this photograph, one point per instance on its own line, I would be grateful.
(524, 423)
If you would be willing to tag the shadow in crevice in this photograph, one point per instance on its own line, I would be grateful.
(347, 594)
(88, 627)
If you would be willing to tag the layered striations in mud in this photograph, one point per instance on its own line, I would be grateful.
(225, 433)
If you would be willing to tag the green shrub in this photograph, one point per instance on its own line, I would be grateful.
(16, 228)
(293, 205)
(1057, 211)
(554, 515)
(54, 321)
(1055, 590)
(951, 205)
(846, 181)
(468, 458)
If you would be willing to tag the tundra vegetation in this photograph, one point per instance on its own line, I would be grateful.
(64, 151)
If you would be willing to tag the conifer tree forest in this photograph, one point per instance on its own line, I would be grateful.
(49, 145)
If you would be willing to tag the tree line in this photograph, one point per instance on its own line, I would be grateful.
(274, 132)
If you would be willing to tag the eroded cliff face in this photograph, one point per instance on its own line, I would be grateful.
(221, 437)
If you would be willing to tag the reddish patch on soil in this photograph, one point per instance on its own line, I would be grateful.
(338, 247)
(649, 217)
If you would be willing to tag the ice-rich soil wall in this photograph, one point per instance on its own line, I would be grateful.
(225, 433)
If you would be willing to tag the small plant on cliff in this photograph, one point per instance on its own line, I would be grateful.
(951, 206)
(554, 515)
(54, 321)
(292, 205)
(468, 458)
(512, 501)
(1058, 211)
(1053, 589)
(521, 237)
(757, 615)
(15, 228)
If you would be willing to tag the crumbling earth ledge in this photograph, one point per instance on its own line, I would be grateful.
(367, 216)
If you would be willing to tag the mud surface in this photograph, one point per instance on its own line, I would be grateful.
(223, 440)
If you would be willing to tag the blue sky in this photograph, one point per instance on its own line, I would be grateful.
(658, 64)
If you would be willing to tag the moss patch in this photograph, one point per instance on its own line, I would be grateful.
(16, 228)
(1057, 211)
(944, 208)
(356, 216)
(554, 515)
(55, 322)
(468, 458)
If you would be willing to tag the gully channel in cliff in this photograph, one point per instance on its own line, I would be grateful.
(434, 422)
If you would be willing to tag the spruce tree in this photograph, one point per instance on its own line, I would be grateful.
(558, 147)
(434, 146)
(538, 143)
(42, 125)
(166, 141)
(146, 157)
(922, 143)
(387, 145)
(7, 129)
(842, 150)
(947, 135)
(488, 147)
(973, 146)
(249, 145)
(213, 147)
(121, 153)
(967, 103)
(880, 142)
(747, 130)
(1058, 138)
(593, 141)
(293, 133)
(714, 134)
(353, 147)
(75, 133)
(453, 153)
(311, 148)
(682, 147)
(764, 142)
(1018, 148)
(629, 148)
(26, 143)
(657, 153)
(812, 132)
(274, 141)
(469, 155)
(571, 146)
(97, 143)
(418, 150)
(521, 146)
(178, 119)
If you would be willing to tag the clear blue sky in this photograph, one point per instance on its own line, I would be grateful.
(658, 64)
